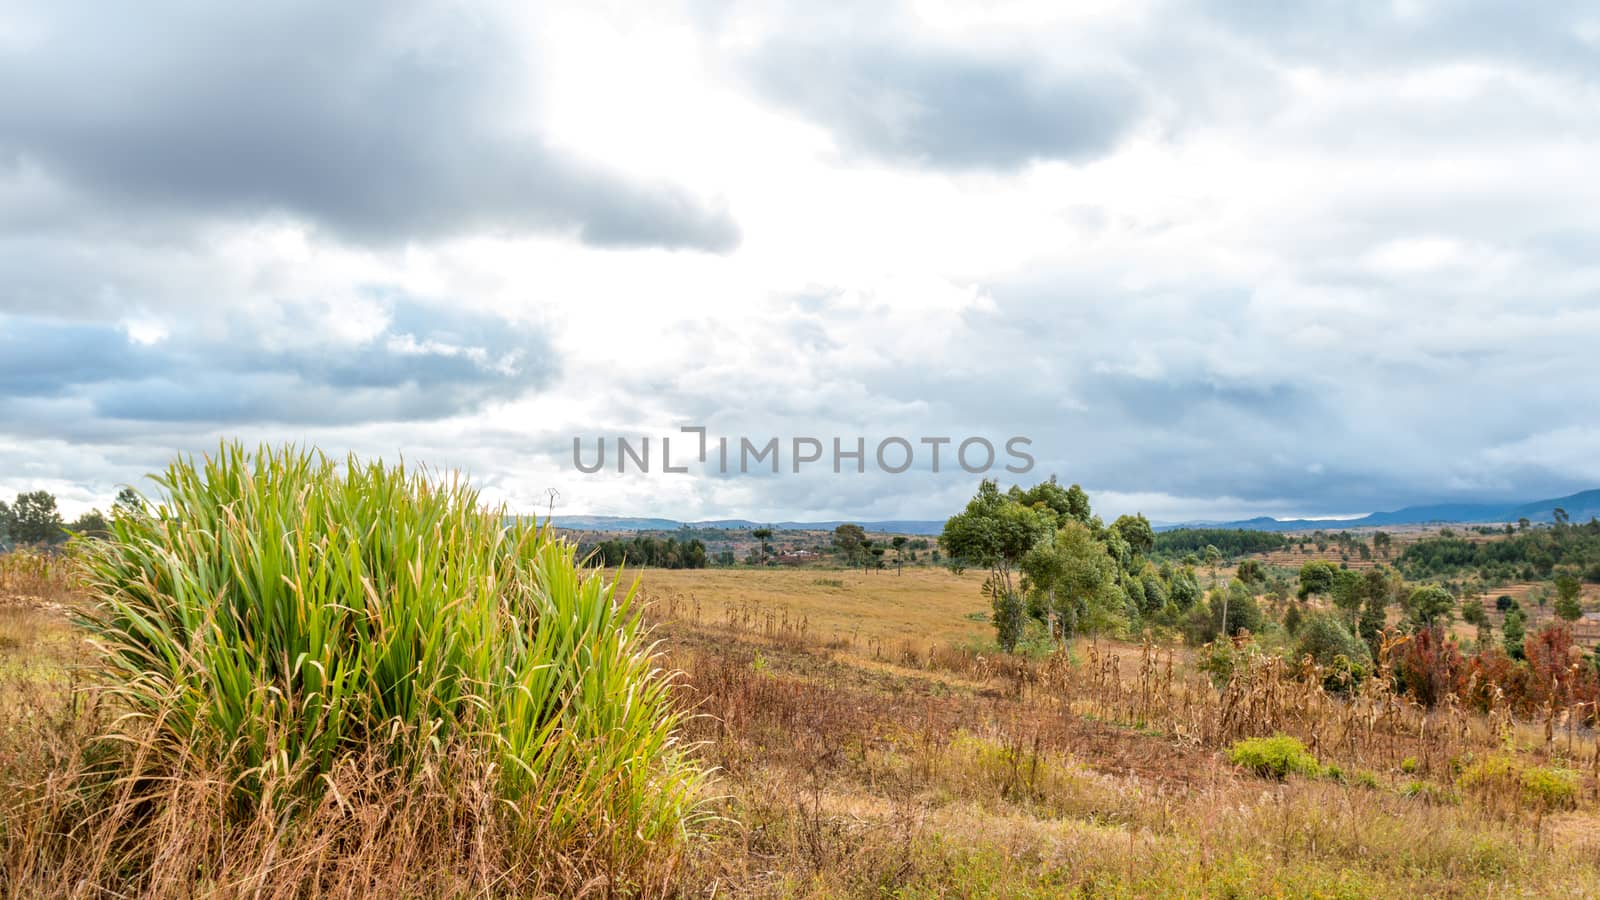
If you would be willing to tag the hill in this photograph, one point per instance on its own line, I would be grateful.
(631, 523)
(1580, 507)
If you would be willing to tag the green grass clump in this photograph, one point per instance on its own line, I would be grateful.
(1550, 788)
(278, 614)
(1502, 779)
(1278, 756)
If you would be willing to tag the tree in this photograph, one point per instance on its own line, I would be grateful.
(128, 503)
(1213, 558)
(1326, 640)
(35, 520)
(1349, 590)
(1184, 591)
(6, 522)
(1294, 619)
(995, 532)
(1238, 612)
(1136, 530)
(91, 524)
(847, 540)
(1431, 605)
(899, 542)
(1474, 614)
(1065, 503)
(1381, 541)
(1316, 577)
(1250, 572)
(1513, 632)
(1074, 576)
(1568, 604)
(1560, 516)
(762, 535)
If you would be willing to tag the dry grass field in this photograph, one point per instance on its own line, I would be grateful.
(902, 763)
(925, 606)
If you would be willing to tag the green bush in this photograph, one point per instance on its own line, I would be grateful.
(1278, 756)
(1330, 644)
(1502, 777)
(279, 613)
(1550, 788)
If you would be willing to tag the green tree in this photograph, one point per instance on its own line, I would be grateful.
(1349, 591)
(1074, 575)
(1475, 614)
(1381, 542)
(1136, 530)
(1569, 606)
(899, 543)
(1513, 632)
(1316, 578)
(1065, 503)
(1430, 605)
(1325, 639)
(6, 523)
(763, 535)
(1236, 611)
(1294, 619)
(847, 541)
(1251, 572)
(1213, 558)
(996, 532)
(91, 524)
(35, 520)
(1184, 591)
(1155, 593)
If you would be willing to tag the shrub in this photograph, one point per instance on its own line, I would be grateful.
(1221, 658)
(1332, 646)
(1550, 788)
(1278, 757)
(1502, 779)
(280, 614)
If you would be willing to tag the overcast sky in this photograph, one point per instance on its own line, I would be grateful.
(1213, 259)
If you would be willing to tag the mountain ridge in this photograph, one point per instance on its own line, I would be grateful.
(1580, 507)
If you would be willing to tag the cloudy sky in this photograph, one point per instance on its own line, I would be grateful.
(1213, 259)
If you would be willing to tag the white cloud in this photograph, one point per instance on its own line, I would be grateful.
(1297, 274)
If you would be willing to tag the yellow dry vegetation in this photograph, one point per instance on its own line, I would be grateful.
(923, 605)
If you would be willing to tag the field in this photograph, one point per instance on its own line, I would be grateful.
(923, 770)
(865, 744)
(924, 606)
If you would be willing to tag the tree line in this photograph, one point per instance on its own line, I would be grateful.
(1056, 569)
(32, 519)
(648, 550)
(1180, 542)
(1526, 554)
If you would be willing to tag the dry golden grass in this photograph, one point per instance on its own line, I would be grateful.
(847, 770)
(926, 606)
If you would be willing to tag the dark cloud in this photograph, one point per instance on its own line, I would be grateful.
(947, 109)
(422, 364)
(376, 121)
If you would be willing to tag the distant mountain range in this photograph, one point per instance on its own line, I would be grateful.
(630, 523)
(1580, 507)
